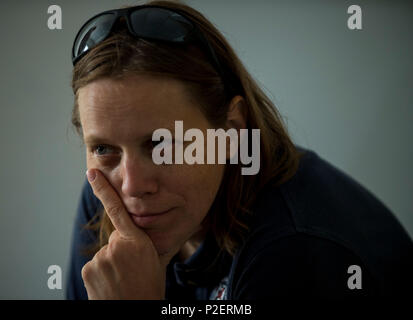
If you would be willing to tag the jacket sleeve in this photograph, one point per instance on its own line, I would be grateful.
(302, 265)
(81, 239)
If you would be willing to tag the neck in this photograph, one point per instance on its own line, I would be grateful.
(191, 245)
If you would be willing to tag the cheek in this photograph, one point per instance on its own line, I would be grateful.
(199, 185)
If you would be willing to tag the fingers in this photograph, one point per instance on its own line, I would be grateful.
(113, 204)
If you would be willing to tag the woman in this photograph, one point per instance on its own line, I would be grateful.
(205, 230)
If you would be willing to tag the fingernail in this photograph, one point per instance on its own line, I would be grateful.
(91, 175)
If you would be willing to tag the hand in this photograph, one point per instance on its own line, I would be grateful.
(129, 266)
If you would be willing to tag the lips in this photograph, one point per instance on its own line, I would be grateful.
(149, 214)
(150, 219)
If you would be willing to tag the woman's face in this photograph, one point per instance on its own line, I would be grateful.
(118, 118)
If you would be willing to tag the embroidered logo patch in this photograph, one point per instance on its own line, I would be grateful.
(220, 292)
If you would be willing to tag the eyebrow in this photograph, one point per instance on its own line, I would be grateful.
(94, 139)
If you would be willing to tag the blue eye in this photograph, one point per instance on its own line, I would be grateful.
(101, 150)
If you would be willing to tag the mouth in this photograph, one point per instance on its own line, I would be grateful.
(147, 220)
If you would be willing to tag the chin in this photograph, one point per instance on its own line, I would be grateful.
(164, 242)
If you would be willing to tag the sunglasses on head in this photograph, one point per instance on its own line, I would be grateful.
(146, 22)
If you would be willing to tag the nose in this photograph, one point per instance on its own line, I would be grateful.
(138, 177)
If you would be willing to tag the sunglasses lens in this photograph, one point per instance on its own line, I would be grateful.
(160, 24)
(92, 33)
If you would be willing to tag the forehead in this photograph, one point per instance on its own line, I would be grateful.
(135, 105)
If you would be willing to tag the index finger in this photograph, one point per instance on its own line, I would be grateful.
(113, 204)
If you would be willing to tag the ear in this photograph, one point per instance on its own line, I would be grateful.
(236, 119)
(236, 115)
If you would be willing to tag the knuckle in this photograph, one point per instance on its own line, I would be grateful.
(113, 244)
(86, 271)
(101, 253)
(113, 252)
(113, 237)
(118, 249)
(102, 258)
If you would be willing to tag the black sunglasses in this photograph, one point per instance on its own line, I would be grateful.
(148, 22)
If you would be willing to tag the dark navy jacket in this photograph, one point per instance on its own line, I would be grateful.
(304, 235)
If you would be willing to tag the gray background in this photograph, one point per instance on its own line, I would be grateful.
(345, 94)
